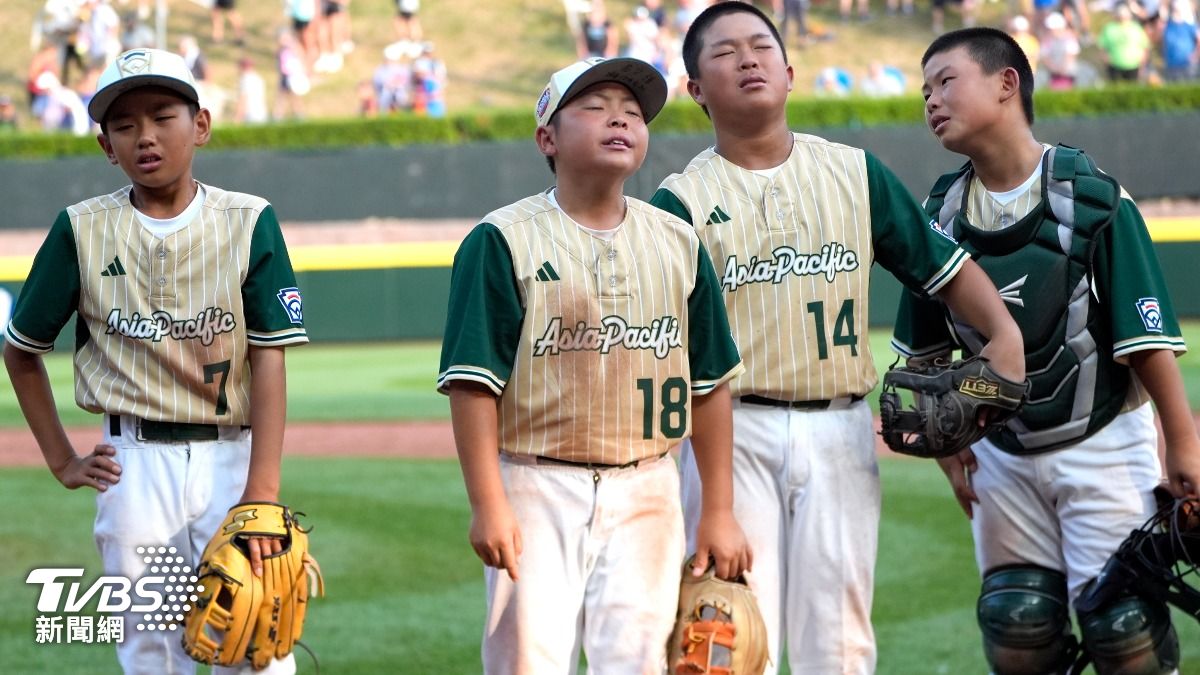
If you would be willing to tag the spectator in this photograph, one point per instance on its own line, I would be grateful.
(58, 23)
(293, 77)
(864, 11)
(99, 34)
(301, 13)
(882, 81)
(393, 80)
(686, 12)
(904, 6)
(655, 7)
(966, 8)
(136, 33)
(642, 34)
(1180, 42)
(64, 110)
(407, 23)
(1076, 14)
(1059, 52)
(833, 82)
(368, 103)
(797, 11)
(252, 95)
(1018, 28)
(227, 9)
(333, 39)
(1126, 46)
(44, 61)
(575, 11)
(599, 35)
(189, 49)
(429, 83)
(8, 115)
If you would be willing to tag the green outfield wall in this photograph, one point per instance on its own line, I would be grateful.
(407, 303)
(1152, 155)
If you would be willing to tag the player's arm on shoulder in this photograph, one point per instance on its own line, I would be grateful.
(972, 296)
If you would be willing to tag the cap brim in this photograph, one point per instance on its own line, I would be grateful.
(104, 98)
(642, 79)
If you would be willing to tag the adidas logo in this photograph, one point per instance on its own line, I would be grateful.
(547, 273)
(114, 269)
(718, 216)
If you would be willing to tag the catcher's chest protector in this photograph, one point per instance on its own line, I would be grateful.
(1042, 267)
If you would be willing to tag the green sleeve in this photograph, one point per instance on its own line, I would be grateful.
(667, 201)
(51, 291)
(712, 354)
(270, 298)
(906, 240)
(921, 329)
(1130, 283)
(483, 321)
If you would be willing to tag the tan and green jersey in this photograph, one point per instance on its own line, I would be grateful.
(594, 347)
(793, 249)
(164, 324)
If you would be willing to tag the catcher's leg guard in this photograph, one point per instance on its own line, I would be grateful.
(1026, 621)
(1130, 636)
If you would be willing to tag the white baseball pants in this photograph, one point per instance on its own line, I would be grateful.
(1069, 509)
(807, 495)
(175, 495)
(600, 569)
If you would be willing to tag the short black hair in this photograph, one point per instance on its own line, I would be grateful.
(994, 50)
(693, 42)
(193, 107)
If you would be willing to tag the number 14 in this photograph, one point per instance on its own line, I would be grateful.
(843, 328)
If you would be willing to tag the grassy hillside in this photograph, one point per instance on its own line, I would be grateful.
(498, 52)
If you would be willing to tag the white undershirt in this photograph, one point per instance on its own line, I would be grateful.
(606, 235)
(768, 173)
(1004, 198)
(164, 227)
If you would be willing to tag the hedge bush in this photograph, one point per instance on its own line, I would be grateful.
(679, 117)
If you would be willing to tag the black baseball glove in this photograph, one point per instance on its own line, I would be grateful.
(948, 401)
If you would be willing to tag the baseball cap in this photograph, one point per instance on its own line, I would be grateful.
(142, 68)
(641, 78)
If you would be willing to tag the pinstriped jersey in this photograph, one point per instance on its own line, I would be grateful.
(164, 324)
(594, 347)
(793, 251)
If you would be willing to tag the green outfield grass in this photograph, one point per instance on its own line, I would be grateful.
(394, 381)
(405, 592)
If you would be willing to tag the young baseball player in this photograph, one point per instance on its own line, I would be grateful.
(794, 223)
(180, 290)
(585, 339)
(1052, 495)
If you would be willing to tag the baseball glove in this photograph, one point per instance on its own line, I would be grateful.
(718, 629)
(948, 399)
(238, 615)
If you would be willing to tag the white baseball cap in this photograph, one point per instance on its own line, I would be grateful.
(142, 68)
(641, 78)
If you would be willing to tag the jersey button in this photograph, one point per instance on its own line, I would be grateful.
(612, 255)
(774, 192)
(612, 281)
(162, 252)
(780, 214)
(162, 281)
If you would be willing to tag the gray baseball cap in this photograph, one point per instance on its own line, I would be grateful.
(642, 79)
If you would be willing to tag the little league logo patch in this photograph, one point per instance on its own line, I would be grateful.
(290, 298)
(134, 63)
(542, 103)
(1151, 314)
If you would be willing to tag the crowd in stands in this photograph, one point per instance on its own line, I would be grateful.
(72, 41)
(1141, 40)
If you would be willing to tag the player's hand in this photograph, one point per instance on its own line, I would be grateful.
(1183, 466)
(958, 468)
(95, 470)
(262, 547)
(496, 537)
(720, 537)
(1006, 355)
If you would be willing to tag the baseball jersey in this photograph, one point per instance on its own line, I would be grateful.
(1080, 320)
(793, 250)
(593, 346)
(164, 324)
